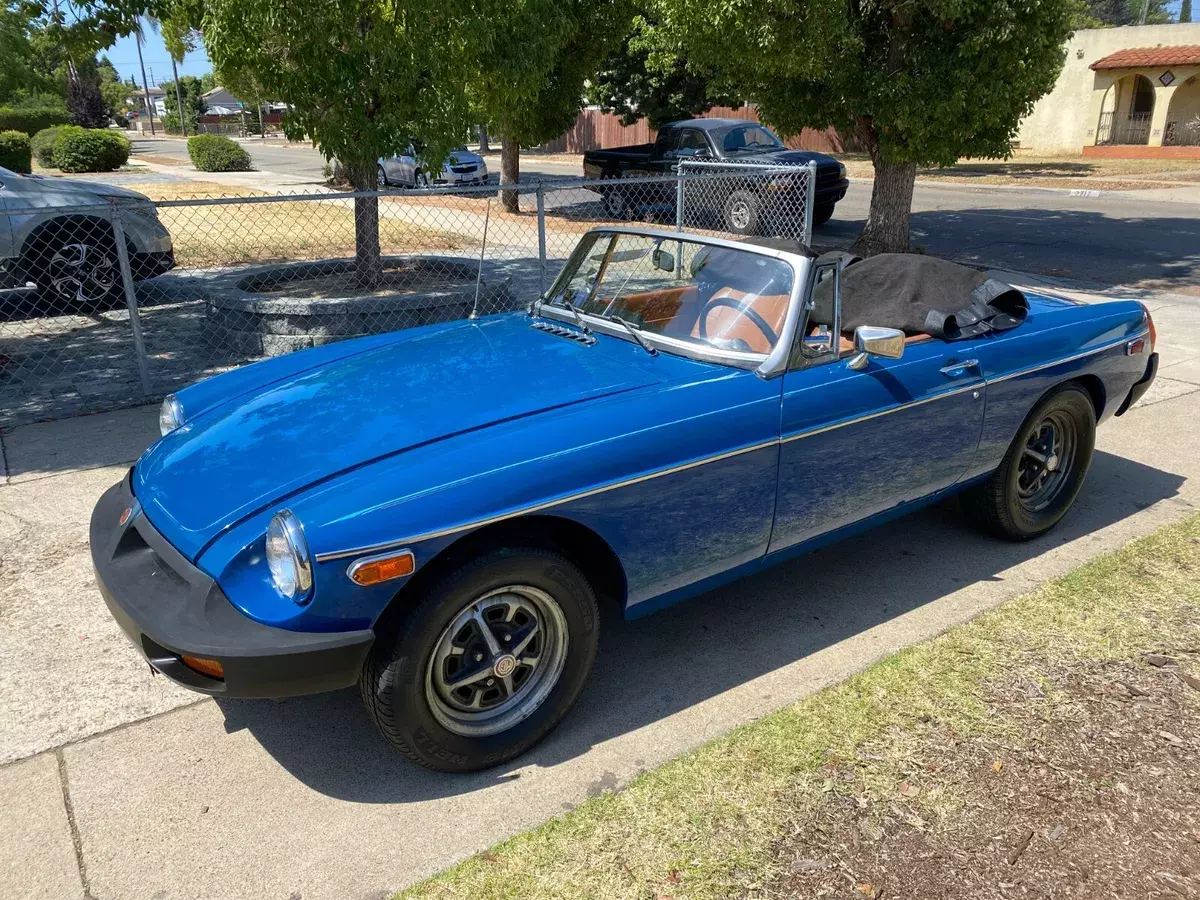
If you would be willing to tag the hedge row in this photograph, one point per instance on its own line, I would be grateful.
(217, 153)
(30, 121)
(78, 149)
(14, 151)
(43, 146)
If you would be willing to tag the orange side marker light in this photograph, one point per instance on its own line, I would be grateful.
(377, 569)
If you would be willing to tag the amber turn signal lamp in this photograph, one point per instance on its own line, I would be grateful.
(209, 667)
(375, 569)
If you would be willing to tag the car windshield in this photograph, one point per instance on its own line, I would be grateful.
(749, 139)
(727, 298)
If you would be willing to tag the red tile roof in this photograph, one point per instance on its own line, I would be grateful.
(1150, 57)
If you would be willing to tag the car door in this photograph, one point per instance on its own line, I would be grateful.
(7, 250)
(855, 444)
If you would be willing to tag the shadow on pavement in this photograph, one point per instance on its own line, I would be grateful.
(1084, 245)
(659, 665)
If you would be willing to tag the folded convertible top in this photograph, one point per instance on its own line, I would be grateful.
(920, 295)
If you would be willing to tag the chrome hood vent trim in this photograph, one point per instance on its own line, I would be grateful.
(563, 331)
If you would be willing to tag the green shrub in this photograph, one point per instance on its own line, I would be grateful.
(43, 146)
(90, 150)
(14, 151)
(31, 120)
(217, 153)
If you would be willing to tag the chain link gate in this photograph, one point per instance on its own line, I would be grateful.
(89, 321)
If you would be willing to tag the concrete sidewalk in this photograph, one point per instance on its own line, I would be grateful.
(118, 785)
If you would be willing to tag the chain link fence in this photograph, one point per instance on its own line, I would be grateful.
(118, 302)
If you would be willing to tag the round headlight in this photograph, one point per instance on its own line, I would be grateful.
(287, 556)
(170, 415)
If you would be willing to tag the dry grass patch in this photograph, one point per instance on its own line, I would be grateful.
(750, 813)
(227, 234)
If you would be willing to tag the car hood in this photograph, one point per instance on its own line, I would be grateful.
(40, 190)
(463, 158)
(259, 449)
(785, 157)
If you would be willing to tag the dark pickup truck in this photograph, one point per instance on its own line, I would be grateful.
(745, 204)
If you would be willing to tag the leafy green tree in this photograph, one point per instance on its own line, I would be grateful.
(1108, 13)
(190, 90)
(359, 77)
(1185, 11)
(642, 78)
(916, 82)
(529, 60)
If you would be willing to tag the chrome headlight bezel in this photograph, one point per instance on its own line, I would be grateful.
(288, 557)
(170, 415)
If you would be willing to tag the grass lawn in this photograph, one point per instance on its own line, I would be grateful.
(1047, 748)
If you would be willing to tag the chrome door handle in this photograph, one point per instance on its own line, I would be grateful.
(958, 369)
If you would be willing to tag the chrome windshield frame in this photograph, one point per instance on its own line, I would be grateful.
(766, 365)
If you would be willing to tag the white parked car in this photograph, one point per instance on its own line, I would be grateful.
(56, 233)
(406, 170)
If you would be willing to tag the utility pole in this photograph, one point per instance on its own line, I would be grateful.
(145, 84)
(1145, 11)
(178, 99)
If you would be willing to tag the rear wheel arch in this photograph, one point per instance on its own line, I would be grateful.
(1095, 388)
(586, 549)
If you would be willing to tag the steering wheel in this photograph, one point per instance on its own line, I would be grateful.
(742, 307)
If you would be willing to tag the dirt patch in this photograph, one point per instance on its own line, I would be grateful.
(1092, 794)
(164, 160)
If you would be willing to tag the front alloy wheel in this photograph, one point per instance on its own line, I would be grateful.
(484, 663)
(80, 276)
(497, 661)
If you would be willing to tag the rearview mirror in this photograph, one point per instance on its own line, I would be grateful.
(870, 340)
(663, 260)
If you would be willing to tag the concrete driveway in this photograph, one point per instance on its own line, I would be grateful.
(117, 785)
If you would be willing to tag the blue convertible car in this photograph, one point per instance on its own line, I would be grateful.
(434, 514)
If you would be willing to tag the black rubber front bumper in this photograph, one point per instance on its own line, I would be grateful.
(1139, 389)
(169, 609)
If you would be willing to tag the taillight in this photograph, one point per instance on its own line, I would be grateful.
(1150, 325)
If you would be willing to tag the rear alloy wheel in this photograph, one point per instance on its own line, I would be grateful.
(78, 275)
(741, 213)
(382, 176)
(1043, 470)
(486, 662)
(616, 204)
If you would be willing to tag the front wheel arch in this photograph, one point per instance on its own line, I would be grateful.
(590, 552)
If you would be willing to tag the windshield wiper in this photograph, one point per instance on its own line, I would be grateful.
(575, 312)
(645, 345)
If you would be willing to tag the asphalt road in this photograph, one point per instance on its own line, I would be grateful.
(293, 159)
(1116, 238)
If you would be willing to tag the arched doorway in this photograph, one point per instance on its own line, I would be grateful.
(1183, 116)
(1126, 112)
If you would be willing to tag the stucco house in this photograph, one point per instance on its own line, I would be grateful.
(1128, 92)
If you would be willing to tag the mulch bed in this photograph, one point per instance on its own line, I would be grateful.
(1095, 795)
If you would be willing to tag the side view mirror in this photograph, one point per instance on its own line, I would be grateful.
(663, 260)
(870, 340)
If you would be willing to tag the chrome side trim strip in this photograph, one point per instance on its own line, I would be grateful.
(799, 435)
(1072, 358)
(538, 507)
(762, 445)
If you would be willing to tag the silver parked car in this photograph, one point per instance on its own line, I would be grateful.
(56, 234)
(406, 170)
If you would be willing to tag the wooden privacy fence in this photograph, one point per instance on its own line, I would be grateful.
(596, 130)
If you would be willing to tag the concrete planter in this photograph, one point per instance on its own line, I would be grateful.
(247, 321)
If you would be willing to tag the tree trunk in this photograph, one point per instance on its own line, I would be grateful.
(178, 99)
(484, 146)
(891, 205)
(510, 172)
(368, 264)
